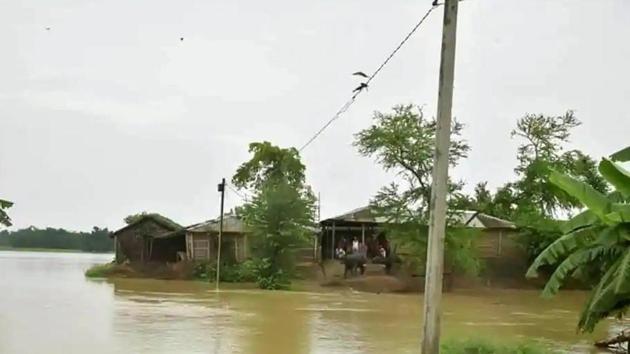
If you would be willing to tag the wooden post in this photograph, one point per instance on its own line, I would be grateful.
(221, 189)
(437, 204)
(363, 233)
(332, 247)
(116, 256)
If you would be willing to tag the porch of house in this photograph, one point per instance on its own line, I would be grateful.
(340, 234)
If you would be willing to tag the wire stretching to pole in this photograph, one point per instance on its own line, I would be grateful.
(349, 103)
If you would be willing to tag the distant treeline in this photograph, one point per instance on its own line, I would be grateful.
(96, 241)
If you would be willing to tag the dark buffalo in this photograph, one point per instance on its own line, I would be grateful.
(353, 261)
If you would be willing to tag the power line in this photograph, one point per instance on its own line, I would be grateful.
(349, 103)
(243, 198)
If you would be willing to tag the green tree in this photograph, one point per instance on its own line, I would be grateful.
(595, 246)
(531, 202)
(4, 217)
(403, 141)
(542, 149)
(281, 212)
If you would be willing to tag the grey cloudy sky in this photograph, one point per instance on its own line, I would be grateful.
(109, 113)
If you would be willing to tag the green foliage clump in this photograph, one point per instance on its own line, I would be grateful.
(487, 347)
(270, 277)
(100, 270)
(4, 217)
(230, 273)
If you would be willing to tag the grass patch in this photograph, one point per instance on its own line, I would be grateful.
(487, 347)
(101, 270)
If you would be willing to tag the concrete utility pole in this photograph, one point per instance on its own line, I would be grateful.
(437, 204)
(221, 188)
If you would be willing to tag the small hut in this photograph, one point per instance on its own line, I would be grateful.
(150, 238)
(202, 240)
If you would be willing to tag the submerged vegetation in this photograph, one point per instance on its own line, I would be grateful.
(478, 346)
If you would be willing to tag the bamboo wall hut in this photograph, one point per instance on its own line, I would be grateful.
(202, 240)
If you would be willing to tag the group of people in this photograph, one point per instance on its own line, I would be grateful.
(375, 249)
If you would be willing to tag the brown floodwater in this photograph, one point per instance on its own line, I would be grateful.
(47, 306)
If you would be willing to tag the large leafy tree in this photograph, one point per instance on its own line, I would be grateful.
(281, 212)
(403, 141)
(531, 201)
(595, 246)
(4, 217)
(543, 148)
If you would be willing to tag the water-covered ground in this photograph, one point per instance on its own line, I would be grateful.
(47, 306)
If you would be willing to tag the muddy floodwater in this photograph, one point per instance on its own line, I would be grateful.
(47, 306)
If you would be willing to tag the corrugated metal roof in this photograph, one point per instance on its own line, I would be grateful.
(469, 218)
(231, 224)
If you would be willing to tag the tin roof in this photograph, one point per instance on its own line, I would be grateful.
(468, 218)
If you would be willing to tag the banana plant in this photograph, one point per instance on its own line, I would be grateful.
(4, 218)
(595, 243)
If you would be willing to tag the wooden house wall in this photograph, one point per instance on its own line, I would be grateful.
(202, 247)
(133, 242)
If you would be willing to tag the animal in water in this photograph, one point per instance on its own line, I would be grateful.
(353, 261)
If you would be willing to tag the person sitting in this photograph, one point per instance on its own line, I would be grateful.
(382, 252)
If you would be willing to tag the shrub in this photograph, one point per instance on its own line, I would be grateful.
(269, 277)
(230, 273)
(100, 270)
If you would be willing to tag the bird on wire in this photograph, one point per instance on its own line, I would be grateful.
(361, 87)
(361, 73)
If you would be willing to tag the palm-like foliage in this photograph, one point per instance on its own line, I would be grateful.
(4, 218)
(595, 244)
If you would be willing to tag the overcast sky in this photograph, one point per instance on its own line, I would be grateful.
(108, 113)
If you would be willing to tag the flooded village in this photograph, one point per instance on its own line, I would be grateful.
(324, 177)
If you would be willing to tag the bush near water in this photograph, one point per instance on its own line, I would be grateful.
(252, 270)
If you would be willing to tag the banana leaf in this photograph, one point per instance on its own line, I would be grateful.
(595, 201)
(562, 247)
(616, 175)
(583, 219)
(622, 155)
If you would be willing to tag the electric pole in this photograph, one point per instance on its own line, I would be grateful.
(221, 188)
(437, 204)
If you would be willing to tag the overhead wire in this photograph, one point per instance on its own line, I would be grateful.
(349, 103)
(243, 198)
